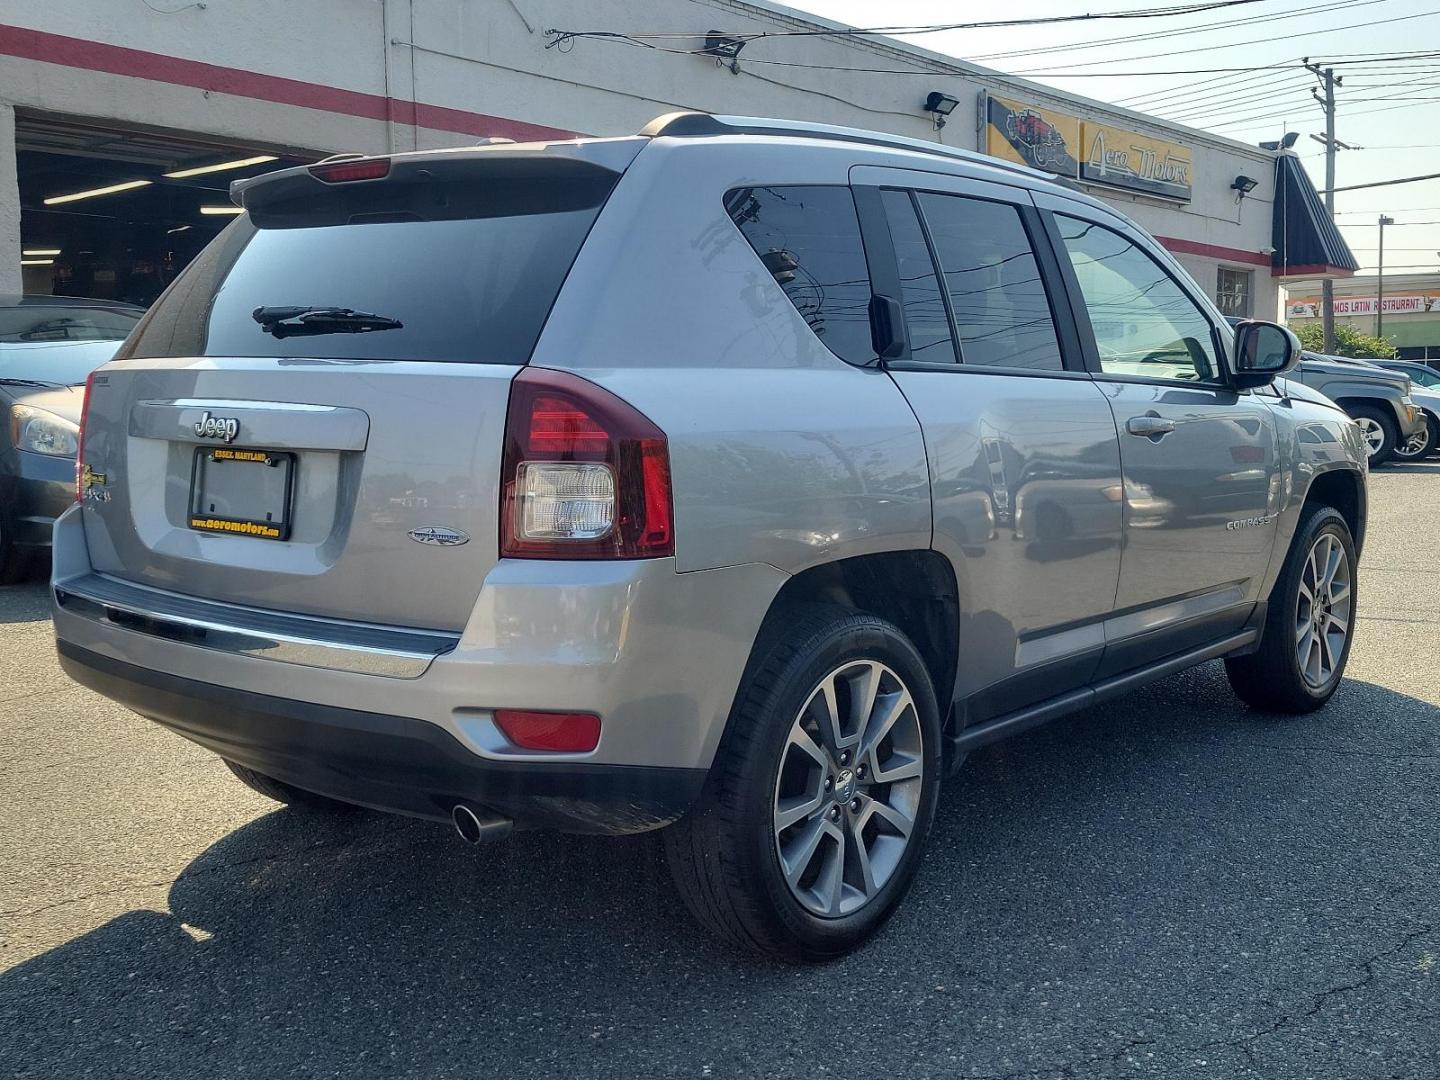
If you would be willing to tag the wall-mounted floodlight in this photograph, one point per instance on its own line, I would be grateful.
(940, 106)
(1284, 143)
(1244, 185)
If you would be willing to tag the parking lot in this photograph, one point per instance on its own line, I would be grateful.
(1171, 886)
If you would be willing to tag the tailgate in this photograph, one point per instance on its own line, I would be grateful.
(356, 490)
(311, 418)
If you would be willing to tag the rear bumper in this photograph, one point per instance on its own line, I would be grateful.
(392, 763)
(657, 654)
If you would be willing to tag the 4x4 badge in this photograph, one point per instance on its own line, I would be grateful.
(92, 484)
(224, 428)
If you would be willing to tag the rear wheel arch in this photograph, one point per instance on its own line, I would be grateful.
(916, 590)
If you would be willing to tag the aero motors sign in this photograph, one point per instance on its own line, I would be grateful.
(1059, 142)
(1365, 305)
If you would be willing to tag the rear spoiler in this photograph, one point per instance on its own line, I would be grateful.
(280, 194)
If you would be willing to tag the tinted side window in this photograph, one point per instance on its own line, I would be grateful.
(809, 239)
(1002, 313)
(1144, 323)
(927, 323)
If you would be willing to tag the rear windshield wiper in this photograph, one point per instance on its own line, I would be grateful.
(297, 321)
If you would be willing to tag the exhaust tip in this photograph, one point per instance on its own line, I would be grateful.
(476, 825)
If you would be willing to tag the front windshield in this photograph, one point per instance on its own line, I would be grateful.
(55, 344)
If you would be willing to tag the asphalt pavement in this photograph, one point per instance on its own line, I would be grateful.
(1171, 886)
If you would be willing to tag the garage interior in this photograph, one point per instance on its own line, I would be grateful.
(116, 213)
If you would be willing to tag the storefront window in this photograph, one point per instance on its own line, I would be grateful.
(1232, 292)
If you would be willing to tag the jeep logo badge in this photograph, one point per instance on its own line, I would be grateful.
(224, 428)
(439, 536)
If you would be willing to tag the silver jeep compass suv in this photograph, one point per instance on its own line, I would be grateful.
(737, 478)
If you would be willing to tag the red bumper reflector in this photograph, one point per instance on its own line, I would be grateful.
(574, 733)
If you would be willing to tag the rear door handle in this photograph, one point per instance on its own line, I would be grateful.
(1149, 426)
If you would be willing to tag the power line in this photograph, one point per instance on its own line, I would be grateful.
(1180, 93)
(1388, 183)
(1354, 101)
(559, 37)
(1232, 45)
(953, 68)
(1154, 35)
(1252, 121)
(1207, 107)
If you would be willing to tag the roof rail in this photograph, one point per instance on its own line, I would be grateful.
(701, 124)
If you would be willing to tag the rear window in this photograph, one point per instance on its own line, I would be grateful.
(473, 284)
(809, 240)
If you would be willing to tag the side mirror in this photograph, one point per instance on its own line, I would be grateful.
(1263, 350)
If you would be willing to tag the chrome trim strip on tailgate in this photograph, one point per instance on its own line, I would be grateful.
(293, 639)
(275, 425)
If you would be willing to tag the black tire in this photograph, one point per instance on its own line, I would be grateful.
(14, 560)
(723, 855)
(1389, 432)
(1270, 678)
(282, 792)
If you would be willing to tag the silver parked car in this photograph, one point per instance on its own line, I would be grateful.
(48, 345)
(1380, 402)
(736, 478)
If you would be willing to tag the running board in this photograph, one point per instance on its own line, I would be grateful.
(1002, 727)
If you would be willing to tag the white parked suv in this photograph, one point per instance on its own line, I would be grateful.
(738, 477)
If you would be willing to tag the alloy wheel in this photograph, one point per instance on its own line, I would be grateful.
(1415, 446)
(1374, 434)
(1322, 612)
(848, 788)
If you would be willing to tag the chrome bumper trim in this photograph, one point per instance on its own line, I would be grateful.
(292, 639)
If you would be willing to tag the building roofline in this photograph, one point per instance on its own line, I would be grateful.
(966, 68)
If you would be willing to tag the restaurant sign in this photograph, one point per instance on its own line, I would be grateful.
(1058, 142)
(1365, 305)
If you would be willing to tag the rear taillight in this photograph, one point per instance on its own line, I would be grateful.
(585, 475)
(345, 172)
(573, 733)
(80, 440)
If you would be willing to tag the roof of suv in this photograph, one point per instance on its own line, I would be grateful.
(616, 153)
(707, 124)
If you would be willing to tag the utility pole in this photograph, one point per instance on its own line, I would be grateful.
(1380, 277)
(1329, 81)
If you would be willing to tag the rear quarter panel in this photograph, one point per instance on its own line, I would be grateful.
(781, 452)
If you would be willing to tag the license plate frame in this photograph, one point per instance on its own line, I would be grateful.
(213, 511)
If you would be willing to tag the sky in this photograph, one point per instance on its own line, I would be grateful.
(1389, 107)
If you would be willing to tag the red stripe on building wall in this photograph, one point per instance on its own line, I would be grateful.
(157, 67)
(1214, 251)
(1314, 270)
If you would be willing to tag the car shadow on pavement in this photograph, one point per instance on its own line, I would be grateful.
(1167, 868)
(1405, 468)
(25, 602)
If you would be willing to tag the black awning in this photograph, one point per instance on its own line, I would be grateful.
(1304, 236)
